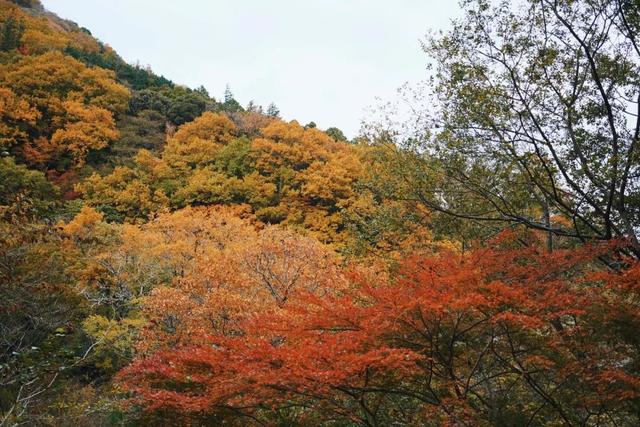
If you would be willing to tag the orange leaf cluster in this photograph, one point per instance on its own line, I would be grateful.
(466, 329)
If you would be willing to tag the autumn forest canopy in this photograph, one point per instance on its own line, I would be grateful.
(169, 258)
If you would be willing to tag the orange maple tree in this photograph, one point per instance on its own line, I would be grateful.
(449, 340)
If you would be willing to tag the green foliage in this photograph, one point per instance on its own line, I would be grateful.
(38, 311)
(103, 57)
(234, 158)
(24, 192)
(230, 105)
(146, 130)
(336, 134)
(271, 214)
(186, 107)
(27, 3)
(273, 111)
(148, 99)
(11, 32)
(114, 340)
(140, 77)
(531, 96)
(137, 77)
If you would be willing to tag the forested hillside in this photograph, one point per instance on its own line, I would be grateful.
(168, 258)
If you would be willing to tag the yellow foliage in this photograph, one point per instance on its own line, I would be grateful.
(86, 128)
(47, 80)
(153, 166)
(47, 32)
(290, 175)
(123, 190)
(206, 186)
(196, 143)
(113, 340)
(15, 113)
(333, 180)
(247, 272)
(74, 105)
(289, 145)
(213, 127)
(82, 224)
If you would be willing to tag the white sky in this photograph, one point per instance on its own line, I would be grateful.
(318, 60)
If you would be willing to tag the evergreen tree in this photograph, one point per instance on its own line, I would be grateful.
(230, 105)
(273, 111)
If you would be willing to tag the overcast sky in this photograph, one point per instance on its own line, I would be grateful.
(318, 60)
